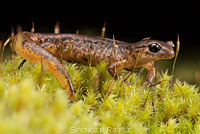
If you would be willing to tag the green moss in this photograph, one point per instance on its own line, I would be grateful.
(32, 101)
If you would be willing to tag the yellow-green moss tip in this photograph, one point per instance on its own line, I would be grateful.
(29, 107)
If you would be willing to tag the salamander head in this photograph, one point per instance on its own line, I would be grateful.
(153, 50)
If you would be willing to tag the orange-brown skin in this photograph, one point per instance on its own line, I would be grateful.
(48, 48)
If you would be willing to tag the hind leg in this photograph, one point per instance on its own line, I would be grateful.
(32, 52)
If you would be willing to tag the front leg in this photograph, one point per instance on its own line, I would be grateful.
(150, 74)
(118, 65)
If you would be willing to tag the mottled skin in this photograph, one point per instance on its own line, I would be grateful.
(48, 48)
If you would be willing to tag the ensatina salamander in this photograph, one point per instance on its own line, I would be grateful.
(49, 48)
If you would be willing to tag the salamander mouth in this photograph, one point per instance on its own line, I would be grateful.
(155, 57)
(170, 55)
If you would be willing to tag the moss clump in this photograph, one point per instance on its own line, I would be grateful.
(32, 101)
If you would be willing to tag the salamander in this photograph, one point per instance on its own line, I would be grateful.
(49, 48)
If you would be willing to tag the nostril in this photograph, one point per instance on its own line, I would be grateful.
(174, 47)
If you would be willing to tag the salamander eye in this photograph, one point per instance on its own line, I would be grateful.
(154, 47)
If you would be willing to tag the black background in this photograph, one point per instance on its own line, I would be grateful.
(127, 21)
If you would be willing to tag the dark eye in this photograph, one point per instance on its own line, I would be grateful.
(154, 47)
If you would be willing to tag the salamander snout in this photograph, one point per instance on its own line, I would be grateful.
(171, 49)
(171, 54)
